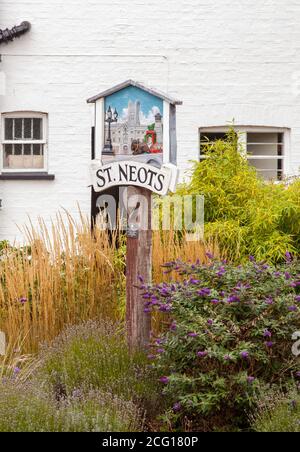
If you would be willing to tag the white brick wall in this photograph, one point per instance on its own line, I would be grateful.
(225, 59)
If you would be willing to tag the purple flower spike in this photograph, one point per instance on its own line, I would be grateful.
(233, 299)
(204, 292)
(288, 257)
(165, 380)
(215, 301)
(251, 258)
(202, 354)
(173, 326)
(298, 374)
(269, 344)
(151, 357)
(193, 335)
(147, 310)
(23, 300)
(293, 309)
(194, 282)
(210, 255)
(160, 351)
(210, 322)
(17, 370)
(245, 355)
(287, 275)
(267, 333)
(297, 299)
(269, 301)
(177, 407)
(250, 380)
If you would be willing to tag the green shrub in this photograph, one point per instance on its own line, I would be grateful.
(25, 409)
(244, 214)
(281, 413)
(231, 335)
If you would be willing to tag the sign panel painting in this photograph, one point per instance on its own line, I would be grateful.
(133, 125)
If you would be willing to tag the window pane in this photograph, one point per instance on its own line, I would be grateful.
(37, 129)
(37, 149)
(18, 128)
(28, 129)
(27, 149)
(269, 169)
(8, 151)
(8, 129)
(18, 149)
(265, 144)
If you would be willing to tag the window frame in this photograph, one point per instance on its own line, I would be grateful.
(243, 132)
(44, 141)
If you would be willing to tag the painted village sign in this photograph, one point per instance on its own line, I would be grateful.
(135, 139)
(134, 145)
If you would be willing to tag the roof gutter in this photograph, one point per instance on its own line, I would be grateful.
(17, 31)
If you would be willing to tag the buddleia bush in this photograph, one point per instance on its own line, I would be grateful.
(245, 214)
(229, 338)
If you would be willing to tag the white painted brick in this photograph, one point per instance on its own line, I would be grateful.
(225, 59)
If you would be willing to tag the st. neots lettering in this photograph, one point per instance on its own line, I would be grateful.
(127, 173)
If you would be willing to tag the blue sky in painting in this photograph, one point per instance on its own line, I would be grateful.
(149, 103)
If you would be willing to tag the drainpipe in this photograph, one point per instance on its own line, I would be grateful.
(17, 31)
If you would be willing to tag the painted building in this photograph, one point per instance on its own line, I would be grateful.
(227, 59)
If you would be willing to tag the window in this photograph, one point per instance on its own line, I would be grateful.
(24, 142)
(265, 148)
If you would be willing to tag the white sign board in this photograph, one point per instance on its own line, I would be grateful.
(128, 172)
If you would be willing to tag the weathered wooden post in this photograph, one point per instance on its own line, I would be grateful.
(138, 266)
(135, 147)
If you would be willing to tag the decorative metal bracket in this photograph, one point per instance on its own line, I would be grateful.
(17, 31)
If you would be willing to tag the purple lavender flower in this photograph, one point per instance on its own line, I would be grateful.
(267, 333)
(293, 309)
(147, 310)
(297, 298)
(210, 255)
(215, 301)
(245, 355)
(252, 259)
(17, 370)
(194, 282)
(177, 407)
(233, 299)
(164, 380)
(298, 374)
(269, 344)
(202, 354)
(165, 308)
(288, 257)
(193, 335)
(287, 275)
(251, 380)
(210, 322)
(23, 300)
(269, 301)
(173, 326)
(204, 292)
(160, 351)
(141, 279)
(151, 357)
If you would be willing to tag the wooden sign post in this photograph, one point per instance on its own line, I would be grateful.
(135, 147)
(138, 265)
